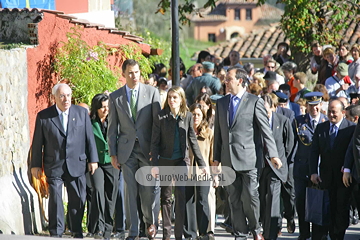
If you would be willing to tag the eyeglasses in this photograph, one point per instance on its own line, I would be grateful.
(62, 96)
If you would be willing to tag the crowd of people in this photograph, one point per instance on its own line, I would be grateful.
(278, 136)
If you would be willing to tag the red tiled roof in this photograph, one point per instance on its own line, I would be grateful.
(264, 41)
(74, 19)
(253, 45)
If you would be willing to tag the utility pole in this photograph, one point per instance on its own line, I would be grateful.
(175, 55)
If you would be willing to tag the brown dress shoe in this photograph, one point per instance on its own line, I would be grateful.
(290, 226)
(151, 231)
(258, 236)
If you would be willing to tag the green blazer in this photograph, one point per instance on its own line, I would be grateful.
(101, 143)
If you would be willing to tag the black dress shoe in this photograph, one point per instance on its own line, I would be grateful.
(290, 226)
(89, 235)
(118, 235)
(355, 220)
(210, 236)
(56, 235)
(132, 238)
(142, 234)
(227, 227)
(99, 235)
(77, 235)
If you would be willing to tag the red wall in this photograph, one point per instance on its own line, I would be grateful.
(72, 6)
(52, 30)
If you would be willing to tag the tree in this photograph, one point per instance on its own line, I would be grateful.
(303, 21)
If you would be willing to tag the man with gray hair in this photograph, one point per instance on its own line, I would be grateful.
(64, 146)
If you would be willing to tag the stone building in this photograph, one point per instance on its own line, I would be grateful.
(233, 18)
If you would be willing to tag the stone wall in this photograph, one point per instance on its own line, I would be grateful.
(18, 200)
(14, 25)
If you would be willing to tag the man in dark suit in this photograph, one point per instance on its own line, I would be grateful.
(241, 123)
(287, 188)
(63, 143)
(350, 176)
(132, 110)
(330, 142)
(304, 129)
(272, 178)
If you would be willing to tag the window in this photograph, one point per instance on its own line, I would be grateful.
(237, 14)
(234, 35)
(211, 37)
(249, 14)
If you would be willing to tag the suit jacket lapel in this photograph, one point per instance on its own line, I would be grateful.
(71, 121)
(141, 102)
(57, 122)
(275, 124)
(241, 104)
(226, 105)
(309, 123)
(342, 126)
(124, 102)
(326, 134)
(97, 131)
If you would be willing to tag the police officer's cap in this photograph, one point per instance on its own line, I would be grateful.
(208, 65)
(313, 97)
(283, 98)
(215, 97)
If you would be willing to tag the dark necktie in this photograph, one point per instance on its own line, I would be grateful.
(232, 109)
(313, 124)
(332, 134)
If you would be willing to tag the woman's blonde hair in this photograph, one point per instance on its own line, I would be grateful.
(183, 107)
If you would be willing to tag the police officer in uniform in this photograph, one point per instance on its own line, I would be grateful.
(207, 80)
(304, 130)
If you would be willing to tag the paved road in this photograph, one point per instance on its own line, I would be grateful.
(353, 233)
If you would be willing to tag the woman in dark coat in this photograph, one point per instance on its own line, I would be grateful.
(173, 134)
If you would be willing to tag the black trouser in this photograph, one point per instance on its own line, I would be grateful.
(288, 196)
(300, 196)
(88, 200)
(197, 204)
(76, 190)
(339, 209)
(166, 203)
(202, 208)
(105, 182)
(269, 190)
(190, 226)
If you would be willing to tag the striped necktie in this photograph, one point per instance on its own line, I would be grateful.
(133, 104)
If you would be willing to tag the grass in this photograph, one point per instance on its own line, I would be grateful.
(190, 46)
